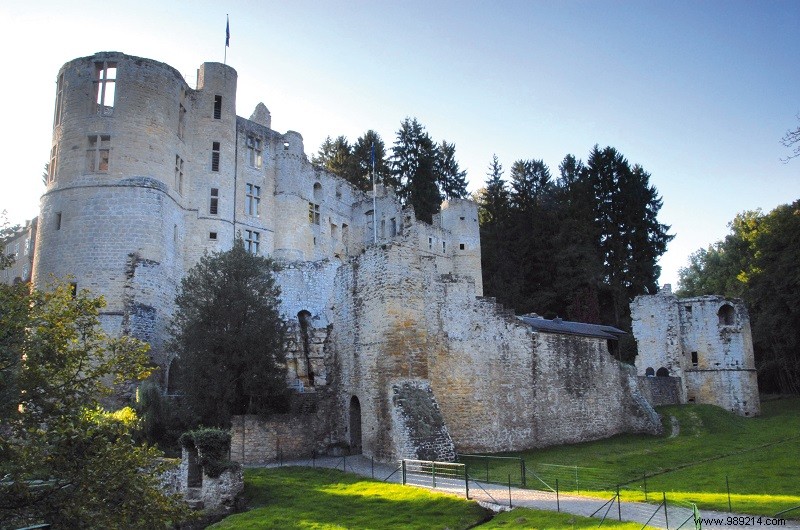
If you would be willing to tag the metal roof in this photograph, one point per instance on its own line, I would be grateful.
(566, 327)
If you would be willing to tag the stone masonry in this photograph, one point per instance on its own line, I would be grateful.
(392, 350)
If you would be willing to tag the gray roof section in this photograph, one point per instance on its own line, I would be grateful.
(572, 328)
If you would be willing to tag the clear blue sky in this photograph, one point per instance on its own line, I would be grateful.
(699, 93)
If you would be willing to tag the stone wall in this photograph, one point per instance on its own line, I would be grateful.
(418, 422)
(258, 441)
(661, 390)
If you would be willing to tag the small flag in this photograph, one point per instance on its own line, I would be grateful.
(372, 157)
(227, 32)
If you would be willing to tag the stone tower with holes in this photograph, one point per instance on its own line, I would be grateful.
(392, 350)
(703, 341)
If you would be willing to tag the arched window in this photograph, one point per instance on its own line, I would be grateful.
(317, 193)
(174, 377)
(727, 315)
(662, 372)
(650, 372)
(355, 426)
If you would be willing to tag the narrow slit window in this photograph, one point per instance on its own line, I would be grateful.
(105, 87)
(59, 100)
(217, 107)
(213, 206)
(215, 156)
(53, 165)
(58, 220)
(181, 120)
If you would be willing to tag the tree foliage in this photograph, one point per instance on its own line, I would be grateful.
(759, 262)
(792, 140)
(354, 163)
(581, 247)
(229, 336)
(63, 458)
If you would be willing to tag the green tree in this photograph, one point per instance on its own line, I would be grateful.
(362, 154)
(229, 336)
(414, 169)
(336, 156)
(494, 207)
(64, 459)
(452, 181)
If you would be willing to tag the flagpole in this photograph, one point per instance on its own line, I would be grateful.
(374, 200)
(227, 38)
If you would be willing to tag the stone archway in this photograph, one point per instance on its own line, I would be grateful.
(355, 426)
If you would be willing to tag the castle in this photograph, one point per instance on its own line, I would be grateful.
(392, 350)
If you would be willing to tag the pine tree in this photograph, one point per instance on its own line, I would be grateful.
(362, 153)
(451, 179)
(413, 169)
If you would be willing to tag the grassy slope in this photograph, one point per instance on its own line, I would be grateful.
(760, 456)
(289, 498)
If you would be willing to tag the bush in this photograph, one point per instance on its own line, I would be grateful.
(213, 448)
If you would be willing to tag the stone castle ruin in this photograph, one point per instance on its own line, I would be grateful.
(393, 350)
(704, 344)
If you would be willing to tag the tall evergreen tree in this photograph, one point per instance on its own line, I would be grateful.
(362, 153)
(451, 179)
(336, 156)
(494, 207)
(413, 169)
(229, 337)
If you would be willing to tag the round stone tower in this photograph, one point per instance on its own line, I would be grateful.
(131, 172)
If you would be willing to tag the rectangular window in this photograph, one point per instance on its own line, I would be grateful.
(392, 227)
(251, 241)
(254, 151)
(213, 205)
(694, 359)
(98, 153)
(105, 79)
(53, 165)
(215, 156)
(313, 213)
(217, 107)
(58, 220)
(59, 100)
(444, 247)
(252, 199)
(461, 246)
(212, 236)
(179, 174)
(383, 228)
(430, 243)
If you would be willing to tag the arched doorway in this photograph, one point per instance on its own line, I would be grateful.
(355, 426)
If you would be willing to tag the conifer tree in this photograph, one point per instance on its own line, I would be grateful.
(451, 179)
(362, 153)
(414, 169)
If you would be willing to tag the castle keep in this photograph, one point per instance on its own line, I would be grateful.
(393, 349)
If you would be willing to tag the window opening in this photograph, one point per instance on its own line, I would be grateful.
(59, 100)
(392, 227)
(181, 119)
(727, 316)
(304, 319)
(252, 199)
(688, 309)
(212, 236)
(461, 246)
(317, 193)
(73, 289)
(98, 153)
(213, 206)
(650, 372)
(254, 151)
(444, 247)
(217, 107)
(53, 165)
(251, 241)
(105, 80)
(383, 228)
(179, 174)
(355, 426)
(662, 372)
(694, 359)
(215, 156)
(430, 243)
(175, 233)
(313, 213)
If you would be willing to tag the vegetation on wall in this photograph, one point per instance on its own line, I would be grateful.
(213, 448)
(759, 261)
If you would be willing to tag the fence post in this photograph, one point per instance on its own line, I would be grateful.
(522, 471)
(403, 463)
(577, 488)
(372, 465)
(666, 519)
(558, 503)
(433, 473)
(644, 477)
(466, 480)
(487, 469)
(509, 491)
(728, 487)
(619, 508)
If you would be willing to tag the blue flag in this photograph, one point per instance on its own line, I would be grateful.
(227, 32)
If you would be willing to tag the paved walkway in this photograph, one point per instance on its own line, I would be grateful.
(496, 497)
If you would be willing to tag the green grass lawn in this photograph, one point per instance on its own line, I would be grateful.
(288, 498)
(759, 456)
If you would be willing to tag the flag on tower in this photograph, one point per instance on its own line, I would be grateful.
(227, 32)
